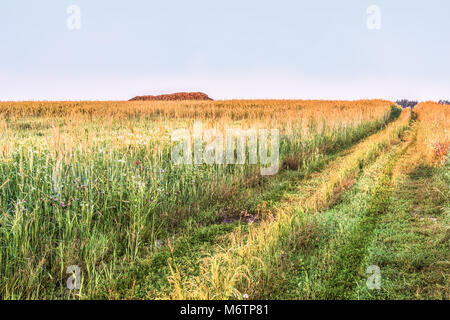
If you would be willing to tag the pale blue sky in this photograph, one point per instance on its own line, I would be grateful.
(228, 49)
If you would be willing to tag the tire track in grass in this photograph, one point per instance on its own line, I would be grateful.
(349, 258)
(309, 264)
(251, 259)
(411, 246)
(304, 269)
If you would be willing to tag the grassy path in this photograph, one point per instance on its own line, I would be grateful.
(395, 221)
(411, 240)
(349, 257)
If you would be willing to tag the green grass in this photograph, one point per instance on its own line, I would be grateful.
(326, 267)
(346, 269)
(402, 228)
(413, 239)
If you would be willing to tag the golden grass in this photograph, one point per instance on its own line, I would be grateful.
(433, 131)
(211, 110)
(65, 127)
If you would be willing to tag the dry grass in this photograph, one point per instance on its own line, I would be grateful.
(433, 132)
(65, 127)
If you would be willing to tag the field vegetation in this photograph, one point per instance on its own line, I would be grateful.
(92, 184)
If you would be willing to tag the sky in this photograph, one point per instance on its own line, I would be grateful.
(233, 49)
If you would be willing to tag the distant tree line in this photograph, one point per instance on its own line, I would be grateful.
(404, 103)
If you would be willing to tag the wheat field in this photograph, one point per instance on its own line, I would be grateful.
(93, 185)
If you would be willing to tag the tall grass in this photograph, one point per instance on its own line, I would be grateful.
(92, 183)
(433, 135)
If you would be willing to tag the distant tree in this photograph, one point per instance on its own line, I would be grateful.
(405, 103)
(444, 102)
